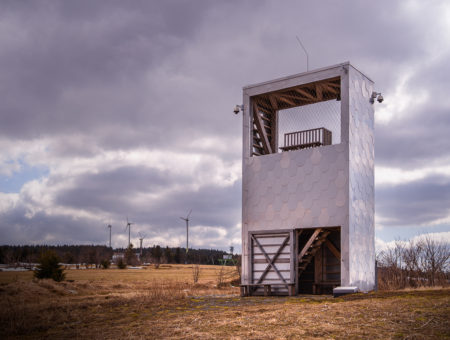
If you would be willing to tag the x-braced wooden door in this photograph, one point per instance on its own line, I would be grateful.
(272, 260)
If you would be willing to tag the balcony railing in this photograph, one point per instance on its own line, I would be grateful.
(306, 139)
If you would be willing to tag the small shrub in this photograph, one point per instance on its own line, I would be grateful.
(220, 277)
(121, 264)
(105, 264)
(195, 272)
(49, 267)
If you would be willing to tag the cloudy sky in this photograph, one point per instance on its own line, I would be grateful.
(112, 108)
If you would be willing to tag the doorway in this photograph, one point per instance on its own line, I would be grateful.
(318, 265)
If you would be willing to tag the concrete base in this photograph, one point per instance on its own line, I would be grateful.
(339, 291)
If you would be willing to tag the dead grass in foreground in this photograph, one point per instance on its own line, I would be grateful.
(170, 308)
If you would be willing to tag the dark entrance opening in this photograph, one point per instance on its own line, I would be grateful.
(318, 260)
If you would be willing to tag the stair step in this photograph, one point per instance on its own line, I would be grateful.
(265, 118)
(312, 250)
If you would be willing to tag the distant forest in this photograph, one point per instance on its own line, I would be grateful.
(94, 254)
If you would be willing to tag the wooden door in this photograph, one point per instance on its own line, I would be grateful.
(272, 260)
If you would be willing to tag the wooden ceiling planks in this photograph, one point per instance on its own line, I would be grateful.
(266, 105)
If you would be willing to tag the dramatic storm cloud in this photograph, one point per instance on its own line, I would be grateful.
(115, 109)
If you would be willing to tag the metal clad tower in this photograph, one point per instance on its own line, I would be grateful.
(308, 183)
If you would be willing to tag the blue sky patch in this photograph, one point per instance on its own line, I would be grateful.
(13, 184)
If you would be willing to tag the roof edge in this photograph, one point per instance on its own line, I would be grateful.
(347, 63)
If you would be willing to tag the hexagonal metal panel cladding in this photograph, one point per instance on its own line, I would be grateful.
(308, 183)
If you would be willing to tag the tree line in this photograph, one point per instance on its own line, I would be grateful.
(95, 254)
(415, 263)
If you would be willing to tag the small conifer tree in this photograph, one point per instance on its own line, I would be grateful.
(49, 267)
(105, 264)
(130, 256)
(121, 263)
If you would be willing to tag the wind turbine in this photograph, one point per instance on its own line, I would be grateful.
(141, 238)
(109, 226)
(187, 233)
(129, 230)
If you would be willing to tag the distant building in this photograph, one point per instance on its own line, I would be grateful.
(117, 256)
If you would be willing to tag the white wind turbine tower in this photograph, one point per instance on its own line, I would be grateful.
(110, 227)
(129, 230)
(187, 233)
(141, 238)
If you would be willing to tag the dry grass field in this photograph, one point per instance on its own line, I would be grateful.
(164, 303)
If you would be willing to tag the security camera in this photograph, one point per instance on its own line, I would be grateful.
(237, 108)
(374, 95)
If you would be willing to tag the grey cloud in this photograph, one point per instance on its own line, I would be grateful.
(415, 141)
(113, 190)
(94, 77)
(41, 228)
(414, 203)
(56, 54)
(211, 206)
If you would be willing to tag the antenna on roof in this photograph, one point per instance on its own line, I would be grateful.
(306, 52)
(187, 232)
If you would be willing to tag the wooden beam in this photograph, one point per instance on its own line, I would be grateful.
(337, 86)
(328, 88)
(288, 101)
(319, 93)
(292, 255)
(333, 249)
(318, 267)
(308, 244)
(299, 100)
(260, 126)
(273, 102)
(264, 109)
(305, 94)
